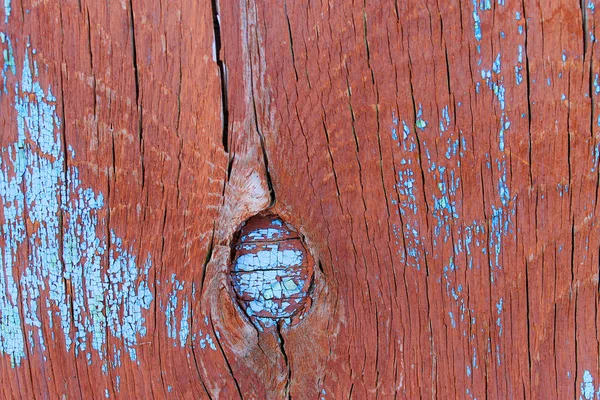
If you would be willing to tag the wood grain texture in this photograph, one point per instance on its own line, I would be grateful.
(440, 160)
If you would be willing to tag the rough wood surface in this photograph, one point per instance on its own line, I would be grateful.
(439, 158)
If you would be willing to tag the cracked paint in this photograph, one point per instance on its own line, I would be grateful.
(271, 272)
(49, 210)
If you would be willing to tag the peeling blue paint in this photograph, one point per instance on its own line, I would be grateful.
(420, 123)
(178, 329)
(497, 66)
(499, 320)
(65, 244)
(591, 6)
(519, 66)
(588, 391)
(7, 10)
(405, 190)
(476, 22)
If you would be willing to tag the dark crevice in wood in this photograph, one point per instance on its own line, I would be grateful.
(162, 268)
(264, 153)
(360, 169)
(261, 138)
(289, 26)
(414, 107)
(335, 178)
(281, 342)
(209, 253)
(178, 124)
(230, 370)
(569, 134)
(89, 32)
(353, 118)
(576, 308)
(584, 27)
(137, 91)
(64, 188)
(527, 73)
(229, 169)
(193, 346)
(222, 74)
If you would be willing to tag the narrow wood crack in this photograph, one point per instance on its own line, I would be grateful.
(222, 73)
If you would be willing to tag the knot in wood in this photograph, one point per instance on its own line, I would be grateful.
(271, 272)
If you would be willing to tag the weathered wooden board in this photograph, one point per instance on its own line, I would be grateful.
(440, 161)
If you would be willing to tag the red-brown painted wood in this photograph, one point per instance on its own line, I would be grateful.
(438, 160)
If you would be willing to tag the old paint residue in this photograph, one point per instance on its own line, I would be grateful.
(7, 10)
(49, 214)
(405, 193)
(588, 390)
(271, 271)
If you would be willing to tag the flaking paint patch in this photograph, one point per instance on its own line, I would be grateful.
(178, 329)
(405, 190)
(271, 271)
(7, 10)
(37, 190)
(588, 391)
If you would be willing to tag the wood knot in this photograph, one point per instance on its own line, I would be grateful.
(271, 272)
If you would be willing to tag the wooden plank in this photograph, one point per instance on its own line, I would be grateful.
(438, 160)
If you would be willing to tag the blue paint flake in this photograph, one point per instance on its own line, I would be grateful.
(7, 10)
(177, 329)
(588, 391)
(445, 121)
(476, 22)
(405, 197)
(504, 125)
(421, 124)
(452, 321)
(496, 67)
(499, 320)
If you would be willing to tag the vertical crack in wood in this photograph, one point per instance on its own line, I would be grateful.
(222, 73)
(256, 125)
(178, 124)
(527, 74)
(415, 118)
(583, 26)
(65, 185)
(218, 340)
(193, 347)
(289, 26)
(137, 90)
(281, 342)
(209, 253)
